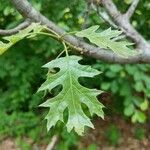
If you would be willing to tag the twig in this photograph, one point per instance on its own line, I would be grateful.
(131, 9)
(21, 26)
(105, 17)
(123, 22)
(87, 13)
(53, 142)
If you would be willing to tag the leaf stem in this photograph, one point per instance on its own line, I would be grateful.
(49, 34)
(56, 36)
(60, 54)
(65, 48)
(53, 32)
(73, 32)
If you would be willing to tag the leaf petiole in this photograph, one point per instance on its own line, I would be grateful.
(48, 34)
(65, 48)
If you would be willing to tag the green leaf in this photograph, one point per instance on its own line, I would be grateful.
(92, 147)
(28, 32)
(116, 68)
(4, 47)
(129, 110)
(105, 85)
(138, 117)
(144, 105)
(128, 1)
(139, 87)
(106, 39)
(72, 95)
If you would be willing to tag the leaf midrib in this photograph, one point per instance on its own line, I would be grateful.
(70, 80)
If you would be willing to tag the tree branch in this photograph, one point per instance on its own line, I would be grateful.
(25, 8)
(123, 23)
(87, 13)
(132, 8)
(106, 18)
(15, 30)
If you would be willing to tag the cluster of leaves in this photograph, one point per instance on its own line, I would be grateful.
(73, 94)
(113, 134)
(18, 102)
(16, 124)
(134, 97)
(20, 116)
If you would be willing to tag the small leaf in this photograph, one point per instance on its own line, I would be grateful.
(106, 40)
(105, 85)
(138, 117)
(72, 95)
(116, 68)
(129, 110)
(144, 105)
(139, 87)
(128, 1)
(137, 101)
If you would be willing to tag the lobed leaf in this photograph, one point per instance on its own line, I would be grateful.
(72, 95)
(105, 39)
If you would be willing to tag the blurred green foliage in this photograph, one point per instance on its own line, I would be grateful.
(92, 147)
(139, 133)
(129, 85)
(113, 135)
(21, 73)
